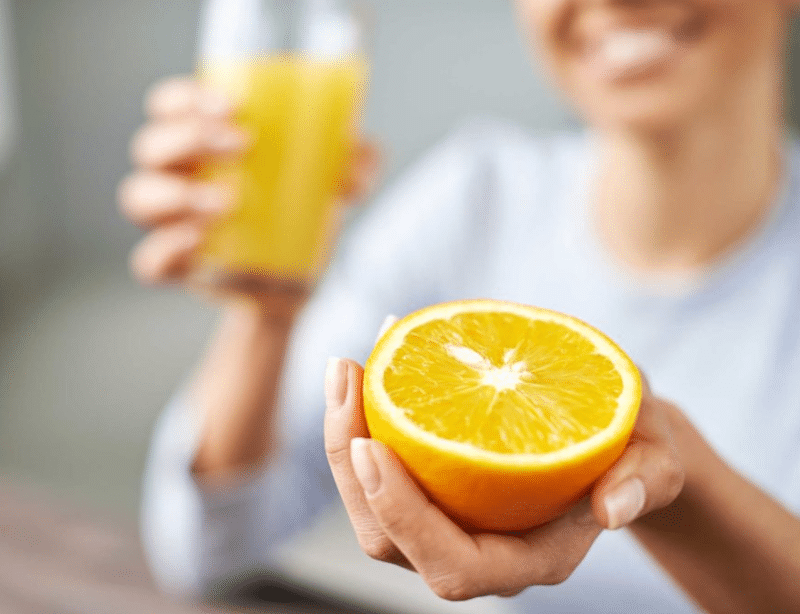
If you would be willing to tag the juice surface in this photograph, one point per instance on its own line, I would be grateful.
(301, 113)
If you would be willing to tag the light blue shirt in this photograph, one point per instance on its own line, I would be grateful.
(493, 212)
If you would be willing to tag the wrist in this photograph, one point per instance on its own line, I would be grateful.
(701, 465)
(236, 388)
(257, 297)
(274, 303)
(275, 317)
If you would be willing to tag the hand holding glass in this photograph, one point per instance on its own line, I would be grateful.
(298, 97)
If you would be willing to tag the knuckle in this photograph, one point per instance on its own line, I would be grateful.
(338, 453)
(196, 132)
(675, 475)
(162, 90)
(668, 465)
(181, 193)
(393, 520)
(153, 96)
(153, 263)
(452, 586)
(557, 576)
(552, 571)
(164, 256)
(377, 546)
(397, 520)
(336, 442)
(507, 594)
(126, 196)
(142, 267)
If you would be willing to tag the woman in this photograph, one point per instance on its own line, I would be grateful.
(672, 227)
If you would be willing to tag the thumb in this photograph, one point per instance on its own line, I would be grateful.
(648, 476)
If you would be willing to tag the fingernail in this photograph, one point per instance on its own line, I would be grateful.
(335, 382)
(215, 105)
(212, 199)
(364, 465)
(625, 503)
(227, 140)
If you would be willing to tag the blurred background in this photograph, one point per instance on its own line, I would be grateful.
(87, 358)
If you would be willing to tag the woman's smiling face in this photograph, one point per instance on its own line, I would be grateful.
(656, 63)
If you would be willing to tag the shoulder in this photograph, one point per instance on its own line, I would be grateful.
(500, 161)
(479, 136)
(483, 166)
(475, 191)
(513, 173)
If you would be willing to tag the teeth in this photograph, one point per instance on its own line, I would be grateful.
(633, 47)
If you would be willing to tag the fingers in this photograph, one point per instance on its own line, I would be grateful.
(457, 565)
(187, 121)
(556, 548)
(460, 566)
(431, 542)
(182, 96)
(166, 254)
(344, 420)
(152, 198)
(544, 556)
(363, 172)
(648, 476)
(182, 143)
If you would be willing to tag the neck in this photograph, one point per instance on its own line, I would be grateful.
(674, 201)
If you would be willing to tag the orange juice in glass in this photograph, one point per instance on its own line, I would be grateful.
(299, 97)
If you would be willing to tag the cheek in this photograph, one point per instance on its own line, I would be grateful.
(745, 50)
(544, 24)
(754, 36)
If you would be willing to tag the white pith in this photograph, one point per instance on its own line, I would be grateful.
(506, 377)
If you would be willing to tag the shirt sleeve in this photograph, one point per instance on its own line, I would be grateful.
(401, 254)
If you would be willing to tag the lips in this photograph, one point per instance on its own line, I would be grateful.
(623, 44)
(625, 53)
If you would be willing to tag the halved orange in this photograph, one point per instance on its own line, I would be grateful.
(505, 414)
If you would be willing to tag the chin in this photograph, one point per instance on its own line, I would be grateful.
(659, 105)
(647, 114)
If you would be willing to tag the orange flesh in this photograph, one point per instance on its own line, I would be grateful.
(503, 383)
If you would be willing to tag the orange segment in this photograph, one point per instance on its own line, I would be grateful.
(504, 413)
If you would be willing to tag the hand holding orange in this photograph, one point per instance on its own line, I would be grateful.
(505, 414)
